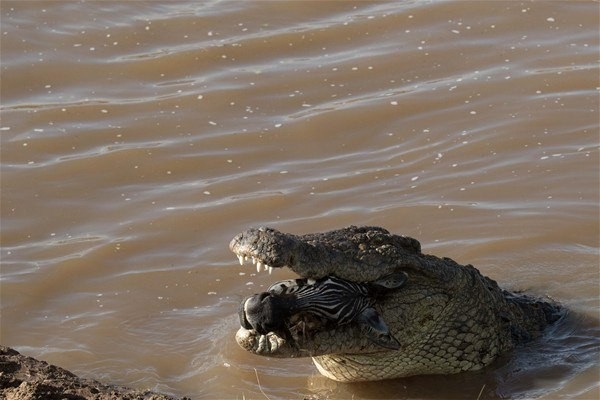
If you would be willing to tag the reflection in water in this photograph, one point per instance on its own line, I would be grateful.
(139, 137)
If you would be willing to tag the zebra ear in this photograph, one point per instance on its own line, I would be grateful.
(389, 282)
(377, 330)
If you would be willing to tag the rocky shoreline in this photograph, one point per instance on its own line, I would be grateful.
(25, 378)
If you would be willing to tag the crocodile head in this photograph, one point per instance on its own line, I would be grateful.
(442, 317)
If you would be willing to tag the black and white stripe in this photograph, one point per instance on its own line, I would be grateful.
(330, 298)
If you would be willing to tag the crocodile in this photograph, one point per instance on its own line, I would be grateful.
(443, 317)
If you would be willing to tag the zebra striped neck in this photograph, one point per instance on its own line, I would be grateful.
(331, 298)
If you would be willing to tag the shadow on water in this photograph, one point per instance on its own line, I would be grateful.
(534, 370)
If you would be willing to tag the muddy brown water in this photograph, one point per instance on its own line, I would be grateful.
(139, 137)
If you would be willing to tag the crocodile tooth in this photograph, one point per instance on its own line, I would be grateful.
(253, 260)
(270, 270)
(258, 266)
(241, 258)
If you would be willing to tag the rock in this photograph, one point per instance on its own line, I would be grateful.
(25, 378)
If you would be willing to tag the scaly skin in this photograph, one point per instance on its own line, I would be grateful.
(447, 317)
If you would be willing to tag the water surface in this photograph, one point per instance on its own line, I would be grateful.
(139, 137)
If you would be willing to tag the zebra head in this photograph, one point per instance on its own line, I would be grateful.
(294, 305)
